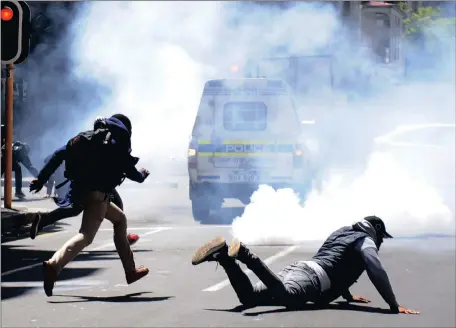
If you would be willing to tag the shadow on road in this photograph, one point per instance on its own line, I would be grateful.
(237, 309)
(113, 299)
(310, 307)
(23, 232)
(17, 283)
(333, 306)
(14, 257)
(26, 281)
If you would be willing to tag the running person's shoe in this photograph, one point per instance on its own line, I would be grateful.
(136, 275)
(132, 238)
(35, 225)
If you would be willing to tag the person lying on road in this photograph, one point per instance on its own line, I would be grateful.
(338, 264)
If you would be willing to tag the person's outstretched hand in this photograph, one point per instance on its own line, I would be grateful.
(35, 186)
(358, 299)
(405, 310)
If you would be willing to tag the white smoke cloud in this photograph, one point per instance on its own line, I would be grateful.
(156, 56)
(408, 206)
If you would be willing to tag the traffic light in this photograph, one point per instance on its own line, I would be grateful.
(15, 29)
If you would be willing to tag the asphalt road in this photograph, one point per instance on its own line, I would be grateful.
(92, 292)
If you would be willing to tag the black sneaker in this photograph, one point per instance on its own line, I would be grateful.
(208, 251)
(239, 251)
(35, 225)
(235, 246)
(49, 278)
(19, 195)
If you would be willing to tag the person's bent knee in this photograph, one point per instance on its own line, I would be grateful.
(87, 238)
(121, 220)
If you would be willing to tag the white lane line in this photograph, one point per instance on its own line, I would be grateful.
(107, 245)
(268, 261)
(175, 227)
(132, 228)
(111, 244)
(21, 269)
(156, 230)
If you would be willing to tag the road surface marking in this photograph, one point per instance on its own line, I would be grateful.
(111, 244)
(132, 228)
(50, 234)
(268, 261)
(156, 230)
(21, 269)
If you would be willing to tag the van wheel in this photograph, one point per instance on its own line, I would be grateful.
(302, 190)
(201, 211)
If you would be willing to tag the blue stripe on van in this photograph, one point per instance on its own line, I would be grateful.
(209, 177)
(245, 148)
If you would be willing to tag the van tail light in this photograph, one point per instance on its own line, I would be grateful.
(192, 154)
(298, 156)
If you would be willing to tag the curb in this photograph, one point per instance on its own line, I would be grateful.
(18, 217)
(12, 219)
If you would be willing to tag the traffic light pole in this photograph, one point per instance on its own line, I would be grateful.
(9, 97)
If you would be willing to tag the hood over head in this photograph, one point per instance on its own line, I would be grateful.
(119, 131)
(375, 227)
(366, 227)
(124, 120)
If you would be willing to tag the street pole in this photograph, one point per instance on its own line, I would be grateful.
(9, 98)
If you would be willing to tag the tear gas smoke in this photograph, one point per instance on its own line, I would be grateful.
(155, 57)
(157, 60)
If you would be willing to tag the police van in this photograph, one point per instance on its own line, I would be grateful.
(246, 133)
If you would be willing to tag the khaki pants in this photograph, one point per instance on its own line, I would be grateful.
(96, 208)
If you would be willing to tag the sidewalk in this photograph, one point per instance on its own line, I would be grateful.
(15, 218)
(22, 212)
(154, 184)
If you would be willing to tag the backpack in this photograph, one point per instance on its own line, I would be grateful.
(96, 159)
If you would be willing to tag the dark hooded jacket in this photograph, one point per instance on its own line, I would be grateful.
(21, 156)
(340, 259)
(120, 137)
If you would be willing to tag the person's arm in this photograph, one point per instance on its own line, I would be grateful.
(346, 295)
(377, 273)
(132, 173)
(52, 165)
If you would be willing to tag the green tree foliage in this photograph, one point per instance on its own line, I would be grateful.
(427, 22)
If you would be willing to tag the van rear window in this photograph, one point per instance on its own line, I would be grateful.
(245, 116)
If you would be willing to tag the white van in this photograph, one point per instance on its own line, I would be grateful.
(246, 133)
